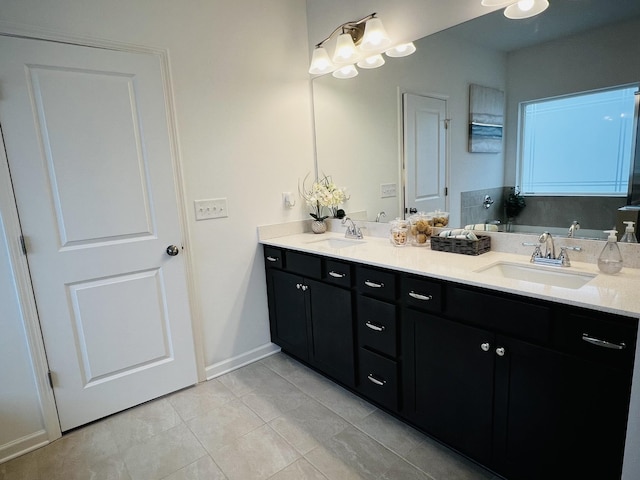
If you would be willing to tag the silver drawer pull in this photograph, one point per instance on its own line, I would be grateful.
(371, 284)
(373, 379)
(373, 326)
(337, 274)
(272, 259)
(602, 343)
(419, 296)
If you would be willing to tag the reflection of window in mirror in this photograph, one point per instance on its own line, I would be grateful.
(579, 144)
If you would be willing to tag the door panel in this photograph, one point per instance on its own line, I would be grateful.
(86, 134)
(425, 152)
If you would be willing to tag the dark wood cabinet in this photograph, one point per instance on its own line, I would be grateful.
(311, 319)
(528, 388)
(289, 313)
(526, 396)
(448, 378)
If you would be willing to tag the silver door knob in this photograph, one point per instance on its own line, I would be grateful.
(172, 250)
(485, 347)
(500, 351)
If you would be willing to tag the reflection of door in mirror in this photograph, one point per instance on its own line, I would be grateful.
(425, 153)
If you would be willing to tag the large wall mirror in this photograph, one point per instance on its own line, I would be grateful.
(574, 46)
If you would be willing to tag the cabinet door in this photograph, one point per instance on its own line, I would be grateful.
(332, 331)
(557, 414)
(288, 313)
(452, 368)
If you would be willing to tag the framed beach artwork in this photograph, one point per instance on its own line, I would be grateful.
(486, 119)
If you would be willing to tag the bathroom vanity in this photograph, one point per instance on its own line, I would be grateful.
(530, 380)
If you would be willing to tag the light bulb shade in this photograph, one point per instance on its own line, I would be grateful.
(347, 71)
(320, 62)
(401, 50)
(525, 9)
(373, 61)
(345, 50)
(375, 36)
(496, 3)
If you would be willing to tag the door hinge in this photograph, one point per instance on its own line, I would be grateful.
(23, 244)
(50, 376)
(446, 123)
(446, 191)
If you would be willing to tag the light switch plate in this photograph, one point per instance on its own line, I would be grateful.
(388, 190)
(211, 208)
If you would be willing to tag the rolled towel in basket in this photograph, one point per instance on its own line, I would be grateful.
(459, 233)
(484, 227)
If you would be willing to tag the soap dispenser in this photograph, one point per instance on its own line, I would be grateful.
(610, 259)
(629, 235)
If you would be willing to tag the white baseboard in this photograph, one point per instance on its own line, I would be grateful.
(23, 445)
(226, 366)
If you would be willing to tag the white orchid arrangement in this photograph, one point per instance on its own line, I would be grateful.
(323, 194)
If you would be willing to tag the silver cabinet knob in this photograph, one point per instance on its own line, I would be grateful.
(500, 351)
(172, 250)
(485, 347)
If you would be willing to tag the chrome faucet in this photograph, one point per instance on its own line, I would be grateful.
(380, 215)
(572, 229)
(549, 256)
(352, 230)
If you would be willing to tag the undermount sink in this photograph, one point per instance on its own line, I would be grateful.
(336, 242)
(554, 276)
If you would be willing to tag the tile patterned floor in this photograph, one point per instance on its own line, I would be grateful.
(272, 420)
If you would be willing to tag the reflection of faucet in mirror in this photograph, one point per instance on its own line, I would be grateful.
(573, 228)
(488, 201)
(380, 215)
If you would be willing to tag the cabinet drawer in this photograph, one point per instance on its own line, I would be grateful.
(272, 257)
(599, 336)
(378, 378)
(375, 282)
(338, 273)
(377, 325)
(521, 317)
(421, 293)
(303, 264)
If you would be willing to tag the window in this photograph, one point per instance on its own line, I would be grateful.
(579, 144)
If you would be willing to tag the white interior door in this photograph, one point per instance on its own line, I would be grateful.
(425, 153)
(86, 134)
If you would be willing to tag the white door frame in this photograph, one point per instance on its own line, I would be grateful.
(21, 271)
(26, 301)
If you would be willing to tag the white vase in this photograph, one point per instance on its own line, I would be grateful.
(318, 226)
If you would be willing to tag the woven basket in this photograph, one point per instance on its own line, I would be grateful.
(462, 245)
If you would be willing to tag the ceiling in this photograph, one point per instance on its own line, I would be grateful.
(562, 18)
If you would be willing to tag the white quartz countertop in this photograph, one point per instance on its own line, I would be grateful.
(619, 293)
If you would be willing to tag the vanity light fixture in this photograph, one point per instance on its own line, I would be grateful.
(519, 9)
(361, 43)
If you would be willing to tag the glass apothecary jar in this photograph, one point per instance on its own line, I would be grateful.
(421, 228)
(399, 232)
(440, 219)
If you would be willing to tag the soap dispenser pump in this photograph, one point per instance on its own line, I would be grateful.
(610, 259)
(629, 235)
